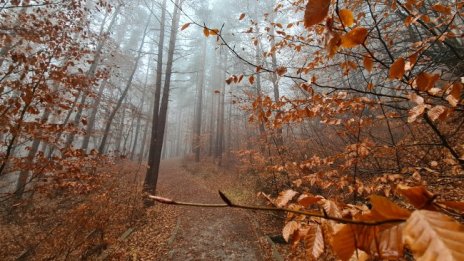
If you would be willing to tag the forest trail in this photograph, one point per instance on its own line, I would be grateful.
(189, 233)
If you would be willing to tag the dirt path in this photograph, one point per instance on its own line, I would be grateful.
(188, 233)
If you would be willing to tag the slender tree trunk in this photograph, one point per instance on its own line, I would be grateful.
(93, 116)
(157, 139)
(220, 118)
(101, 149)
(275, 83)
(259, 94)
(24, 175)
(150, 176)
(91, 73)
(198, 110)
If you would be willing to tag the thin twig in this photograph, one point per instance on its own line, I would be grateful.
(230, 204)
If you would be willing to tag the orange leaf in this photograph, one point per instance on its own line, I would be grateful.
(397, 69)
(389, 243)
(289, 230)
(434, 236)
(418, 196)
(351, 237)
(436, 112)
(457, 205)
(206, 31)
(316, 11)
(368, 63)
(426, 81)
(385, 209)
(333, 45)
(354, 37)
(185, 26)
(455, 94)
(306, 201)
(285, 197)
(442, 9)
(251, 79)
(281, 71)
(370, 86)
(347, 17)
(315, 242)
(241, 16)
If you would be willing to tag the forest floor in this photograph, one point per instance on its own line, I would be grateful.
(187, 233)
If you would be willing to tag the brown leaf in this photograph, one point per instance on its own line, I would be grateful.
(418, 196)
(434, 236)
(346, 16)
(351, 237)
(333, 45)
(368, 63)
(436, 112)
(426, 81)
(397, 69)
(316, 11)
(457, 205)
(383, 208)
(306, 201)
(455, 94)
(354, 37)
(442, 9)
(284, 197)
(289, 229)
(251, 79)
(416, 112)
(389, 243)
(185, 26)
(281, 71)
(206, 32)
(314, 241)
(330, 207)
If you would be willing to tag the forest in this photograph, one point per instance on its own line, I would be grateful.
(232, 130)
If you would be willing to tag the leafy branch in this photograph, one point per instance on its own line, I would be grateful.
(324, 215)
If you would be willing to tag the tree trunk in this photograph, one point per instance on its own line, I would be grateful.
(159, 126)
(24, 175)
(220, 118)
(198, 110)
(93, 116)
(91, 72)
(101, 149)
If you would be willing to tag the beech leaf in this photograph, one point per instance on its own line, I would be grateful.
(289, 229)
(389, 243)
(368, 63)
(316, 11)
(354, 37)
(315, 242)
(397, 69)
(382, 207)
(284, 197)
(418, 196)
(434, 236)
(251, 79)
(457, 205)
(185, 26)
(206, 32)
(346, 16)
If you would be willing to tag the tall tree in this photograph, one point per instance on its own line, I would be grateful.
(158, 127)
(101, 149)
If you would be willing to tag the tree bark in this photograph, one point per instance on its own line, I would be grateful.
(159, 126)
(198, 110)
(101, 149)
